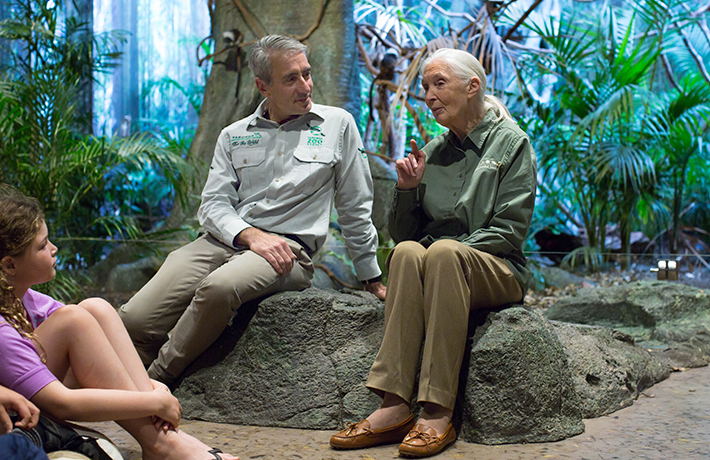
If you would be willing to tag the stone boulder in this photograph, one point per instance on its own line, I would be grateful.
(518, 386)
(668, 317)
(609, 371)
(301, 360)
(557, 277)
(130, 277)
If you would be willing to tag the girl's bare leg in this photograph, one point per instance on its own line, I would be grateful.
(75, 341)
(116, 333)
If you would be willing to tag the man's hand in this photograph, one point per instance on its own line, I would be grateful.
(410, 169)
(379, 289)
(28, 414)
(273, 248)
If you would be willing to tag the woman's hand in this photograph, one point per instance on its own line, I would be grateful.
(410, 169)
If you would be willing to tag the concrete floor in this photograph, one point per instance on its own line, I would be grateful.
(671, 421)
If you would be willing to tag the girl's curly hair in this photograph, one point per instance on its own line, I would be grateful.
(20, 220)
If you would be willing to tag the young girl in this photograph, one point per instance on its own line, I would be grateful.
(76, 362)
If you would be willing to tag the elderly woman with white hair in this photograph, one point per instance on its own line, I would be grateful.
(461, 212)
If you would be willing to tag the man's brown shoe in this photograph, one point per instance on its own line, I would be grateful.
(359, 435)
(422, 441)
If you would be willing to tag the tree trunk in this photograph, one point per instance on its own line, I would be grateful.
(332, 54)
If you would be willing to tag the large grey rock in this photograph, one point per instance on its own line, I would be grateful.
(303, 358)
(300, 359)
(519, 387)
(608, 370)
(132, 276)
(666, 316)
(557, 277)
(301, 362)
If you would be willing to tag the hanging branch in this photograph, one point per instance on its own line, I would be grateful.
(379, 155)
(669, 71)
(417, 121)
(373, 33)
(368, 63)
(335, 278)
(449, 13)
(698, 14)
(563, 209)
(249, 19)
(521, 20)
(313, 28)
(252, 23)
(406, 81)
(392, 86)
(208, 56)
(696, 56)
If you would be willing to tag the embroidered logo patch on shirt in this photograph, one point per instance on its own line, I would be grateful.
(363, 153)
(315, 139)
(489, 164)
(250, 140)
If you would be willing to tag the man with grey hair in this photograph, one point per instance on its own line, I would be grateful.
(266, 207)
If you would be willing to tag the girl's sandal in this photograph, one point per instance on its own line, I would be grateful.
(214, 452)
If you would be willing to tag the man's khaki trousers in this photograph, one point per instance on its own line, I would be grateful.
(194, 295)
(430, 294)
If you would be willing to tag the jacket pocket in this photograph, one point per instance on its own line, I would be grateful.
(313, 168)
(247, 164)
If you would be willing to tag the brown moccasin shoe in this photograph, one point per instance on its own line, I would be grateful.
(422, 441)
(359, 435)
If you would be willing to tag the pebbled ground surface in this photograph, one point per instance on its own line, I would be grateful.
(670, 421)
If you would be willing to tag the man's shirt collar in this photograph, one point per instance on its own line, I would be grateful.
(258, 119)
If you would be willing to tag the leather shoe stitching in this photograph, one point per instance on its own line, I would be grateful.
(426, 437)
(351, 427)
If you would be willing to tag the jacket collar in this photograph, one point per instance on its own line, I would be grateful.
(476, 139)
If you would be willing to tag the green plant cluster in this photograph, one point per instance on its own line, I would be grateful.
(623, 136)
(614, 96)
(95, 190)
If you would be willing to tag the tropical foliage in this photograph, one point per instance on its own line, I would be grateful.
(94, 189)
(617, 129)
(615, 98)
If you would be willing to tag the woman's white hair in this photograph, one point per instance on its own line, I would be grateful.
(465, 66)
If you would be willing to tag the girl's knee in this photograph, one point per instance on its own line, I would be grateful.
(71, 317)
(97, 307)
